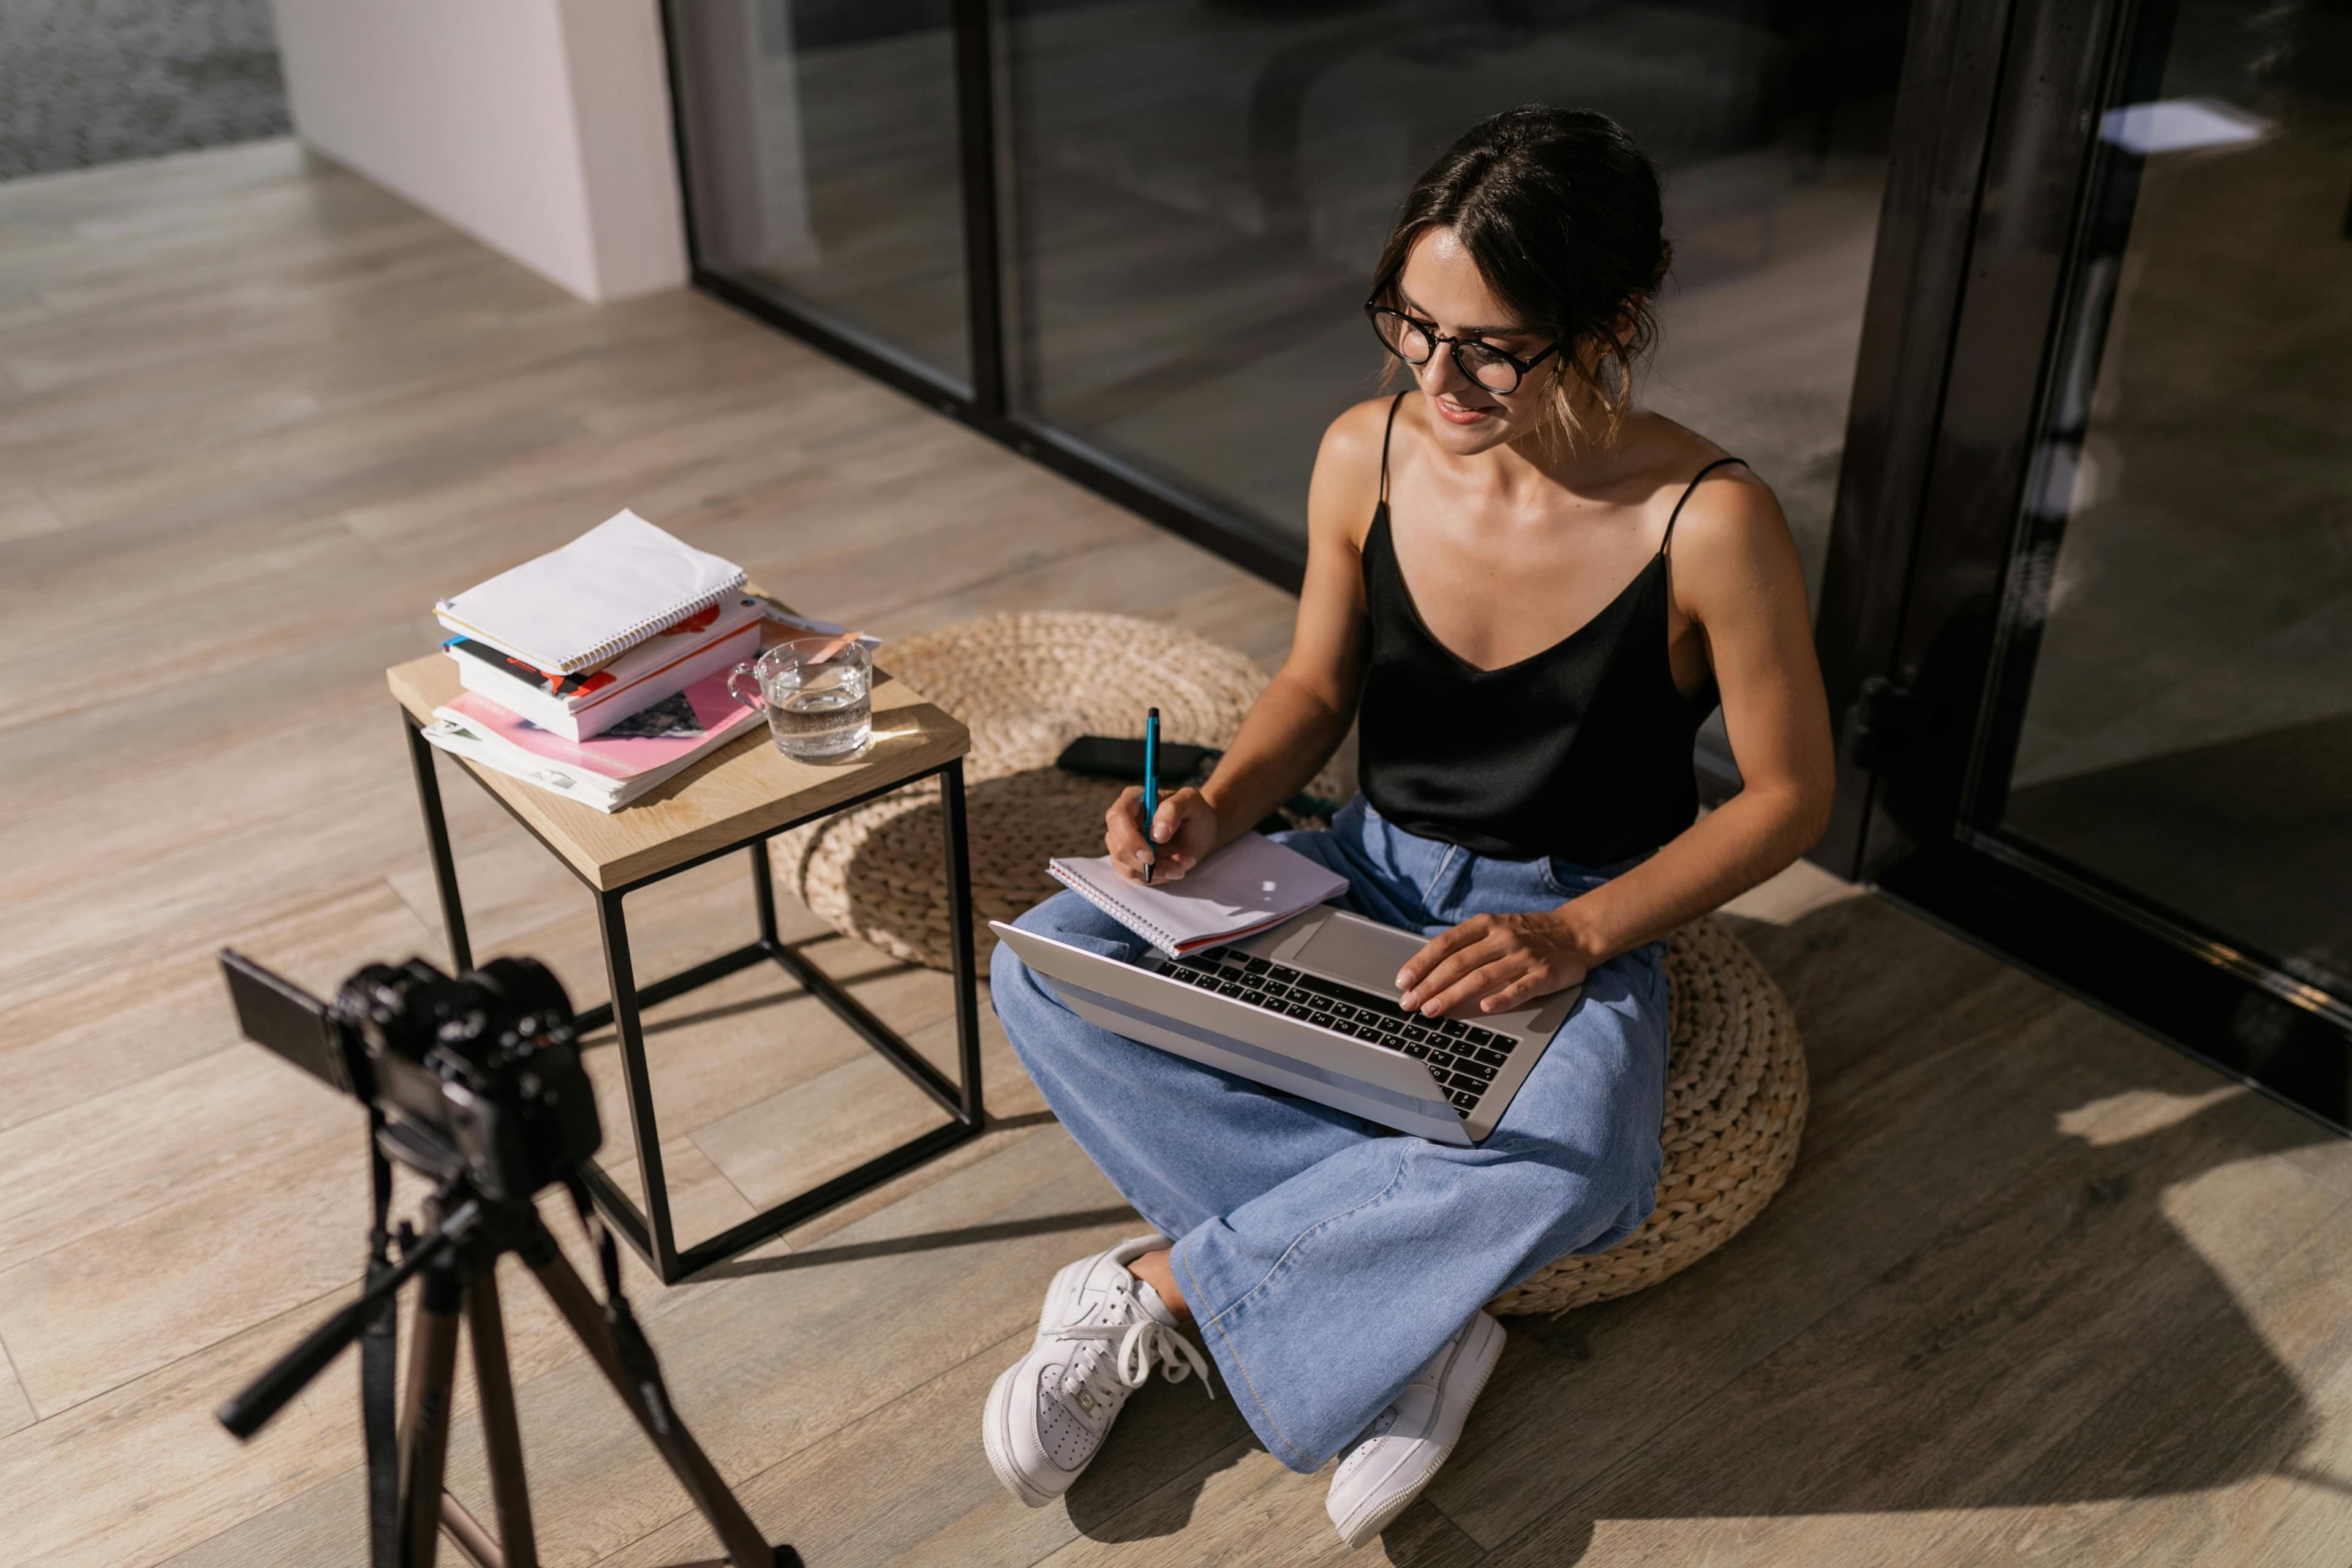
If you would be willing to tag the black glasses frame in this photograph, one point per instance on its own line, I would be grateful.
(1374, 311)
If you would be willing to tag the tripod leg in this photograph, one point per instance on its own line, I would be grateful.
(466, 1530)
(501, 1437)
(424, 1424)
(746, 1547)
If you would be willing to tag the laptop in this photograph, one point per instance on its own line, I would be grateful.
(1311, 1006)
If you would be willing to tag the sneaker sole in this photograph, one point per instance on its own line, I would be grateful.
(995, 1437)
(1363, 1526)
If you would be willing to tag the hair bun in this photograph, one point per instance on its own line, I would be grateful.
(1560, 210)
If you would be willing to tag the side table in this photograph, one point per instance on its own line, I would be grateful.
(735, 801)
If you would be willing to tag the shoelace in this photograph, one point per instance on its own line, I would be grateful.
(1141, 1342)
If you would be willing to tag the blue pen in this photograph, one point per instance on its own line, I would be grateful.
(1150, 786)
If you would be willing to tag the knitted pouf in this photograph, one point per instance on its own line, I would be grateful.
(1735, 1100)
(1025, 685)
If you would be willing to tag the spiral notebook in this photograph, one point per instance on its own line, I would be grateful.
(1247, 886)
(608, 590)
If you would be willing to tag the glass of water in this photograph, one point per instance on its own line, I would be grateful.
(818, 694)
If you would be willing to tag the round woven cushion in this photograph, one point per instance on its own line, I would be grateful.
(1025, 685)
(1735, 1100)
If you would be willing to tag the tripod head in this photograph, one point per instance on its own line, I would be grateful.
(469, 1229)
(470, 1234)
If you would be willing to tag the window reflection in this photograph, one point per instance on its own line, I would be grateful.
(822, 160)
(1199, 191)
(2188, 548)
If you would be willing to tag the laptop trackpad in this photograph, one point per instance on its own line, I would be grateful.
(1359, 952)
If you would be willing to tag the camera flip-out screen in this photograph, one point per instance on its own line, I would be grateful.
(288, 1020)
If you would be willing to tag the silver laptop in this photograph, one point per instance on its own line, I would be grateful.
(1311, 1006)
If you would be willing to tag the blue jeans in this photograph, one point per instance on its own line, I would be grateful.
(1327, 1260)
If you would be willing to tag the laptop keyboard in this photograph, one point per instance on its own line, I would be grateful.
(1461, 1057)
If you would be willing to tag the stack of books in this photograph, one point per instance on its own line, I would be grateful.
(712, 641)
(599, 671)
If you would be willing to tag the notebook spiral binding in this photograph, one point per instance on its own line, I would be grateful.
(621, 642)
(1158, 937)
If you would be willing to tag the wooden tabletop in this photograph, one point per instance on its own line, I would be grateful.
(744, 789)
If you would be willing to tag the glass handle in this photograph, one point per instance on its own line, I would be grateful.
(757, 699)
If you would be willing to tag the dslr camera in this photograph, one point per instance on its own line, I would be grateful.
(477, 1076)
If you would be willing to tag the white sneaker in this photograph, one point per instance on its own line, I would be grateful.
(1098, 1336)
(1403, 1448)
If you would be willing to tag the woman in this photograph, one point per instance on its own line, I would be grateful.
(1529, 593)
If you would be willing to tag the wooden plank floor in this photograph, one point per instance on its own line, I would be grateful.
(2040, 1290)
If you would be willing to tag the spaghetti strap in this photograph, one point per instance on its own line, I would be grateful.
(1386, 434)
(1671, 516)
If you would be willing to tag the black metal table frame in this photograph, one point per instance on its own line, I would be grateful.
(652, 1235)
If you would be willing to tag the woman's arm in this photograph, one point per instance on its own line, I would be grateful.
(1303, 714)
(1735, 575)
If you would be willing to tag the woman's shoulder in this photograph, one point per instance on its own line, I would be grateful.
(1347, 483)
(1705, 482)
(1356, 436)
(1725, 521)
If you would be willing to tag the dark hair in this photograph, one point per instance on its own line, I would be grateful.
(1559, 209)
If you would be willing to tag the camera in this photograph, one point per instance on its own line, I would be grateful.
(474, 1081)
(478, 1075)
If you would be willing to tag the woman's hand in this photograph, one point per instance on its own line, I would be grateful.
(1185, 830)
(1498, 962)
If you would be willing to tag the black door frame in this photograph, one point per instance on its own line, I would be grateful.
(1940, 628)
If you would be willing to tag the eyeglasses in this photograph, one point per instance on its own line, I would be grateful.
(1413, 342)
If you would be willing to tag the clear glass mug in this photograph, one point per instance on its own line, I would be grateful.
(818, 694)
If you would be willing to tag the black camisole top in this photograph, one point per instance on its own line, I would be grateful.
(1582, 751)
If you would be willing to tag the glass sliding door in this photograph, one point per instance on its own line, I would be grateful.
(1155, 218)
(820, 150)
(1197, 191)
(2112, 734)
(2179, 626)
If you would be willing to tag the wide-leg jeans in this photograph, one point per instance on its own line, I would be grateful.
(1325, 1258)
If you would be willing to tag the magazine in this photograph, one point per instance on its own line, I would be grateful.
(607, 770)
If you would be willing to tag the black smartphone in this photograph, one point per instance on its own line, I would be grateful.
(1102, 756)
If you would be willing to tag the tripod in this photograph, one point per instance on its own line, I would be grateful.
(458, 1258)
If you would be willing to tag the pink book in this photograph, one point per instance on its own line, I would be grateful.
(663, 737)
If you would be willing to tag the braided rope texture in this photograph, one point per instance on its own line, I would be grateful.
(1026, 685)
(1735, 1101)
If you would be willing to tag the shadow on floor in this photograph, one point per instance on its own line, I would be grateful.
(930, 1240)
(1978, 1292)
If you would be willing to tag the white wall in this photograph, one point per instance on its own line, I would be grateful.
(540, 127)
